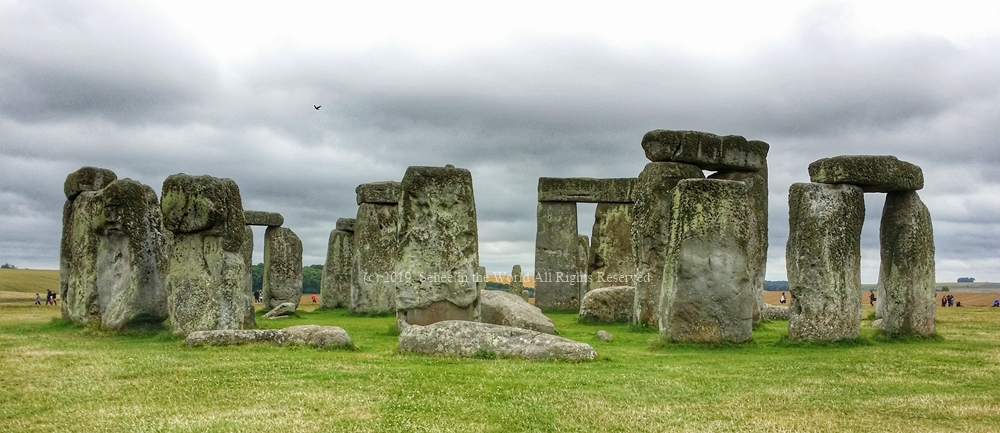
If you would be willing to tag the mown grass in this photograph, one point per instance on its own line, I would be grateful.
(56, 376)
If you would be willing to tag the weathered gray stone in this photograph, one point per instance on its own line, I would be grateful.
(345, 224)
(516, 282)
(757, 254)
(246, 251)
(823, 260)
(773, 312)
(131, 256)
(378, 192)
(585, 190)
(507, 309)
(81, 302)
(375, 253)
(469, 339)
(324, 337)
(707, 295)
(557, 283)
(906, 280)
(708, 151)
(206, 283)
(282, 268)
(873, 173)
(608, 305)
(651, 215)
(87, 179)
(335, 287)
(612, 260)
(438, 246)
(261, 218)
(582, 263)
(281, 310)
(604, 335)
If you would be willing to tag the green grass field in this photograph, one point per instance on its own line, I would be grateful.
(56, 376)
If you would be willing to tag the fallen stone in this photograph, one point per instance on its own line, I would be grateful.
(877, 324)
(823, 260)
(282, 268)
(604, 335)
(873, 173)
(585, 190)
(378, 192)
(470, 339)
(608, 305)
(707, 151)
(907, 279)
(507, 309)
(324, 337)
(707, 295)
(557, 285)
(375, 253)
(774, 312)
(261, 218)
(438, 246)
(87, 179)
(654, 201)
(611, 258)
(281, 310)
(335, 286)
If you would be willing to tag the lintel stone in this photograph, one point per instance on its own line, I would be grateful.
(707, 151)
(873, 173)
(585, 190)
(261, 218)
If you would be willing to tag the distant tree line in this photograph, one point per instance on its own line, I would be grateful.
(8, 266)
(776, 286)
(312, 275)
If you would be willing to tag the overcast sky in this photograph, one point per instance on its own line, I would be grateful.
(512, 91)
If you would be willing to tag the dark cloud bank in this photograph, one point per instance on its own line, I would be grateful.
(119, 88)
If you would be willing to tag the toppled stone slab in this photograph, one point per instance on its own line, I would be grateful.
(585, 190)
(335, 286)
(608, 305)
(906, 280)
(823, 260)
(87, 179)
(469, 339)
(707, 151)
(261, 218)
(557, 267)
(282, 310)
(707, 293)
(282, 268)
(873, 173)
(604, 335)
(611, 258)
(654, 204)
(378, 192)
(774, 312)
(508, 309)
(324, 337)
(438, 246)
(345, 224)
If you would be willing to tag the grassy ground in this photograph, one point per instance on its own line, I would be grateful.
(60, 377)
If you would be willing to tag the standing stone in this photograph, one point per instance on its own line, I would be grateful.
(556, 257)
(707, 294)
(206, 282)
(906, 279)
(335, 288)
(582, 263)
(282, 268)
(612, 260)
(81, 302)
(246, 251)
(131, 256)
(650, 232)
(757, 201)
(84, 179)
(438, 247)
(516, 282)
(823, 259)
(375, 250)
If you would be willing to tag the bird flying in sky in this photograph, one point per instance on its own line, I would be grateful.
(317, 106)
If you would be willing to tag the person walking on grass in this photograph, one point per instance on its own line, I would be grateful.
(314, 298)
(871, 298)
(38, 299)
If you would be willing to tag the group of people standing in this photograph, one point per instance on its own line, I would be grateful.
(949, 301)
(50, 298)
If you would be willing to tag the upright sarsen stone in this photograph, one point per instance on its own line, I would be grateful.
(612, 261)
(516, 282)
(438, 247)
(906, 279)
(131, 256)
(87, 179)
(82, 180)
(650, 232)
(246, 251)
(707, 294)
(335, 288)
(206, 281)
(282, 268)
(81, 302)
(375, 251)
(823, 259)
(556, 257)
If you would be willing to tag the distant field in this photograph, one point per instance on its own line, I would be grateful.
(28, 281)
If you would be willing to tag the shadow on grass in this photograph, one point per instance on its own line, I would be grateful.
(786, 341)
(659, 345)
